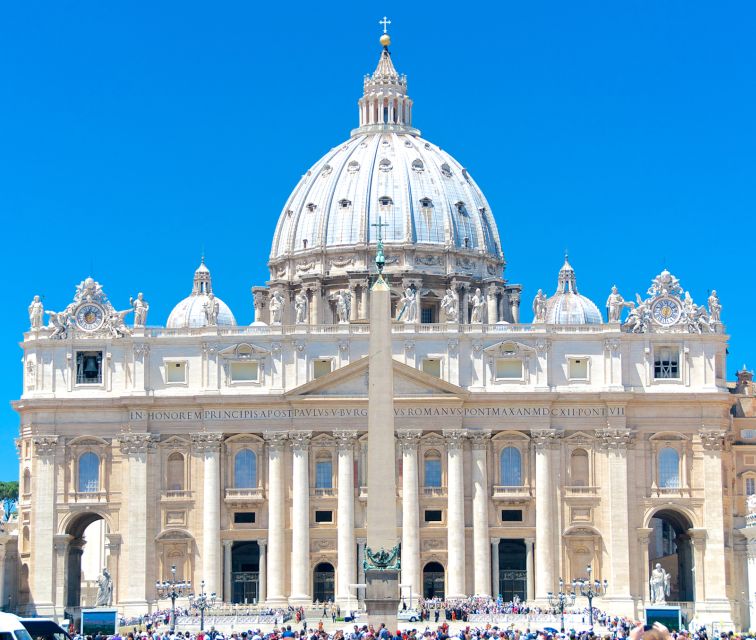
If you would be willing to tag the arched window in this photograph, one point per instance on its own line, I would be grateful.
(669, 468)
(26, 487)
(432, 475)
(324, 474)
(89, 473)
(175, 472)
(510, 467)
(245, 469)
(579, 468)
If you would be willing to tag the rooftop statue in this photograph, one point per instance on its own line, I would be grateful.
(277, 305)
(450, 306)
(36, 313)
(141, 307)
(408, 309)
(211, 309)
(478, 306)
(715, 309)
(614, 305)
(300, 308)
(539, 307)
(343, 306)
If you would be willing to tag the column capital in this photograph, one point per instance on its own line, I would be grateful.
(227, 544)
(207, 442)
(545, 438)
(44, 446)
(697, 535)
(275, 440)
(113, 542)
(529, 541)
(617, 439)
(362, 541)
(455, 439)
(712, 439)
(300, 440)
(136, 443)
(479, 439)
(409, 439)
(495, 540)
(345, 440)
(262, 543)
(60, 542)
(643, 534)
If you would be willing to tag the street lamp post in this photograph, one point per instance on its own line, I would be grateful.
(202, 602)
(173, 589)
(559, 600)
(591, 589)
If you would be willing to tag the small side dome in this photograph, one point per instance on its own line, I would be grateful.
(191, 311)
(567, 306)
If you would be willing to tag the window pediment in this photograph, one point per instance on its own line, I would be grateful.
(509, 349)
(243, 351)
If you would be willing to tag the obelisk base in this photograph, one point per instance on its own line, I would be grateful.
(382, 598)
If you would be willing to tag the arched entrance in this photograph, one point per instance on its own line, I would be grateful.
(245, 572)
(323, 582)
(85, 559)
(670, 545)
(433, 581)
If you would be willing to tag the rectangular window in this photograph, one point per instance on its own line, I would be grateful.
(427, 315)
(432, 366)
(245, 371)
(750, 486)
(324, 516)
(508, 369)
(320, 368)
(511, 515)
(578, 368)
(175, 372)
(244, 517)
(666, 363)
(433, 473)
(89, 367)
(323, 474)
(433, 515)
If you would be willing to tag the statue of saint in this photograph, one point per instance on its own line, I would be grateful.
(343, 306)
(104, 590)
(276, 308)
(539, 307)
(300, 308)
(449, 305)
(715, 308)
(660, 584)
(141, 307)
(614, 305)
(408, 310)
(478, 303)
(37, 311)
(211, 309)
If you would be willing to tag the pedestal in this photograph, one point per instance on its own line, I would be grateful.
(382, 598)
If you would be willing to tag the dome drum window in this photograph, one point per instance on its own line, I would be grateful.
(344, 203)
(353, 167)
(426, 203)
(446, 170)
(385, 165)
(311, 206)
(326, 171)
(385, 201)
(417, 165)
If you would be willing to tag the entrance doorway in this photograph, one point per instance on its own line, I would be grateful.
(433, 581)
(324, 582)
(86, 560)
(670, 546)
(513, 574)
(245, 572)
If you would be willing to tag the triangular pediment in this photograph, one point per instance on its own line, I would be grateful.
(352, 381)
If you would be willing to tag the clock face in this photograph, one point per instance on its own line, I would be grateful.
(666, 311)
(89, 317)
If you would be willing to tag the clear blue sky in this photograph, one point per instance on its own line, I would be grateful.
(133, 134)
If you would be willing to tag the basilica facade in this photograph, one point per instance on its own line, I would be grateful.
(529, 445)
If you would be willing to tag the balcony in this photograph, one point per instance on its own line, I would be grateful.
(511, 493)
(434, 492)
(581, 492)
(254, 494)
(323, 492)
(175, 495)
(88, 497)
(670, 492)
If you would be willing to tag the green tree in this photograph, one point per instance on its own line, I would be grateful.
(9, 497)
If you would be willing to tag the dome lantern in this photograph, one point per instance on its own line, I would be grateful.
(567, 306)
(202, 308)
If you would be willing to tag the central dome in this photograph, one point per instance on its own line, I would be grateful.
(434, 217)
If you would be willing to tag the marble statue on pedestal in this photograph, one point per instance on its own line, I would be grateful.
(211, 309)
(343, 306)
(104, 590)
(276, 307)
(36, 313)
(614, 305)
(408, 309)
(539, 307)
(659, 583)
(141, 307)
(715, 308)
(449, 305)
(478, 303)
(300, 308)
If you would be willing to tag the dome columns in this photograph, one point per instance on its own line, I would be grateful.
(492, 303)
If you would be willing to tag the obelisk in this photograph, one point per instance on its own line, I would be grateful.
(382, 562)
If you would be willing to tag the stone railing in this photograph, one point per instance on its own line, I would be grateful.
(245, 495)
(577, 492)
(323, 492)
(501, 492)
(176, 494)
(434, 492)
(88, 497)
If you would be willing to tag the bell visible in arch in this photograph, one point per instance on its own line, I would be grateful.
(90, 366)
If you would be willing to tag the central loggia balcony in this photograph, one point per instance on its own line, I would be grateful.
(254, 494)
(515, 493)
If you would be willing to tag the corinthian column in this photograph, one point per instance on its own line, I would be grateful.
(547, 560)
(481, 548)
(300, 518)
(134, 447)
(43, 575)
(492, 303)
(347, 567)
(408, 441)
(276, 565)
(208, 446)
(456, 514)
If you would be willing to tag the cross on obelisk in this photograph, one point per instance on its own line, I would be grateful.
(385, 22)
(382, 556)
